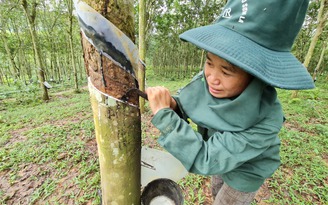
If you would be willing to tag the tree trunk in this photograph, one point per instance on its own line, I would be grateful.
(31, 21)
(316, 70)
(117, 124)
(1, 77)
(70, 33)
(14, 69)
(321, 24)
(322, 20)
(142, 50)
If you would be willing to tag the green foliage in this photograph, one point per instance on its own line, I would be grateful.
(54, 144)
(54, 139)
(193, 186)
(303, 40)
(159, 80)
(21, 94)
(52, 30)
(49, 142)
(167, 54)
(302, 177)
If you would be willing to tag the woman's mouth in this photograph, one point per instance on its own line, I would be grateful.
(214, 91)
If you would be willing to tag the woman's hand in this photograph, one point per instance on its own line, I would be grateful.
(159, 97)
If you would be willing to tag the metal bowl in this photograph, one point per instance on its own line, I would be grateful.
(162, 192)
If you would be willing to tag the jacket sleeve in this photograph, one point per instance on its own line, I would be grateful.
(221, 153)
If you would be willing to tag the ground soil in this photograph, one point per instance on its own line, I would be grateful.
(19, 191)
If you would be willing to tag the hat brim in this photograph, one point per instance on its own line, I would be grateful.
(279, 69)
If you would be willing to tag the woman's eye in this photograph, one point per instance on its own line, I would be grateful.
(225, 73)
(209, 63)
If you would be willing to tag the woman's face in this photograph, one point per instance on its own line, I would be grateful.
(224, 79)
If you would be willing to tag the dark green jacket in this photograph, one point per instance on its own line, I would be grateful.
(236, 138)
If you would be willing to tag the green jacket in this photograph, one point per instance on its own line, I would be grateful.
(236, 138)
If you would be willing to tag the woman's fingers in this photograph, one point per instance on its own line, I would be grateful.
(159, 97)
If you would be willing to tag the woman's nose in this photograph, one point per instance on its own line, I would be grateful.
(214, 80)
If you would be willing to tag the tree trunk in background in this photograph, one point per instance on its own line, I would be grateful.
(24, 64)
(142, 50)
(322, 19)
(117, 124)
(321, 24)
(30, 15)
(316, 70)
(70, 33)
(14, 69)
(1, 77)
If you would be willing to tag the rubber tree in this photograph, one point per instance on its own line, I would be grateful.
(14, 69)
(6, 12)
(142, 49)
(321, 19)
(117, 123)
(30, 13)
(317, 69)
(70, 39)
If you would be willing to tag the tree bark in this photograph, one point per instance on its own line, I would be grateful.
(117, 123)
(142, 50)
(316, 70)
(70, 33)
(321, 24)
(31, 22)
(14, 68)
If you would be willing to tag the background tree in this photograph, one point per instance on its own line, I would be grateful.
(142, 49)
(70, 39)
(318, 67)
(168, 55)
(9, 67)
(30, 12)
(19, 65)
(321, 22)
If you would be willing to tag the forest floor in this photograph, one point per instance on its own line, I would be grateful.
(48, 152)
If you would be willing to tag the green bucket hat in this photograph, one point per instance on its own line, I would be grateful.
(257, 36)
